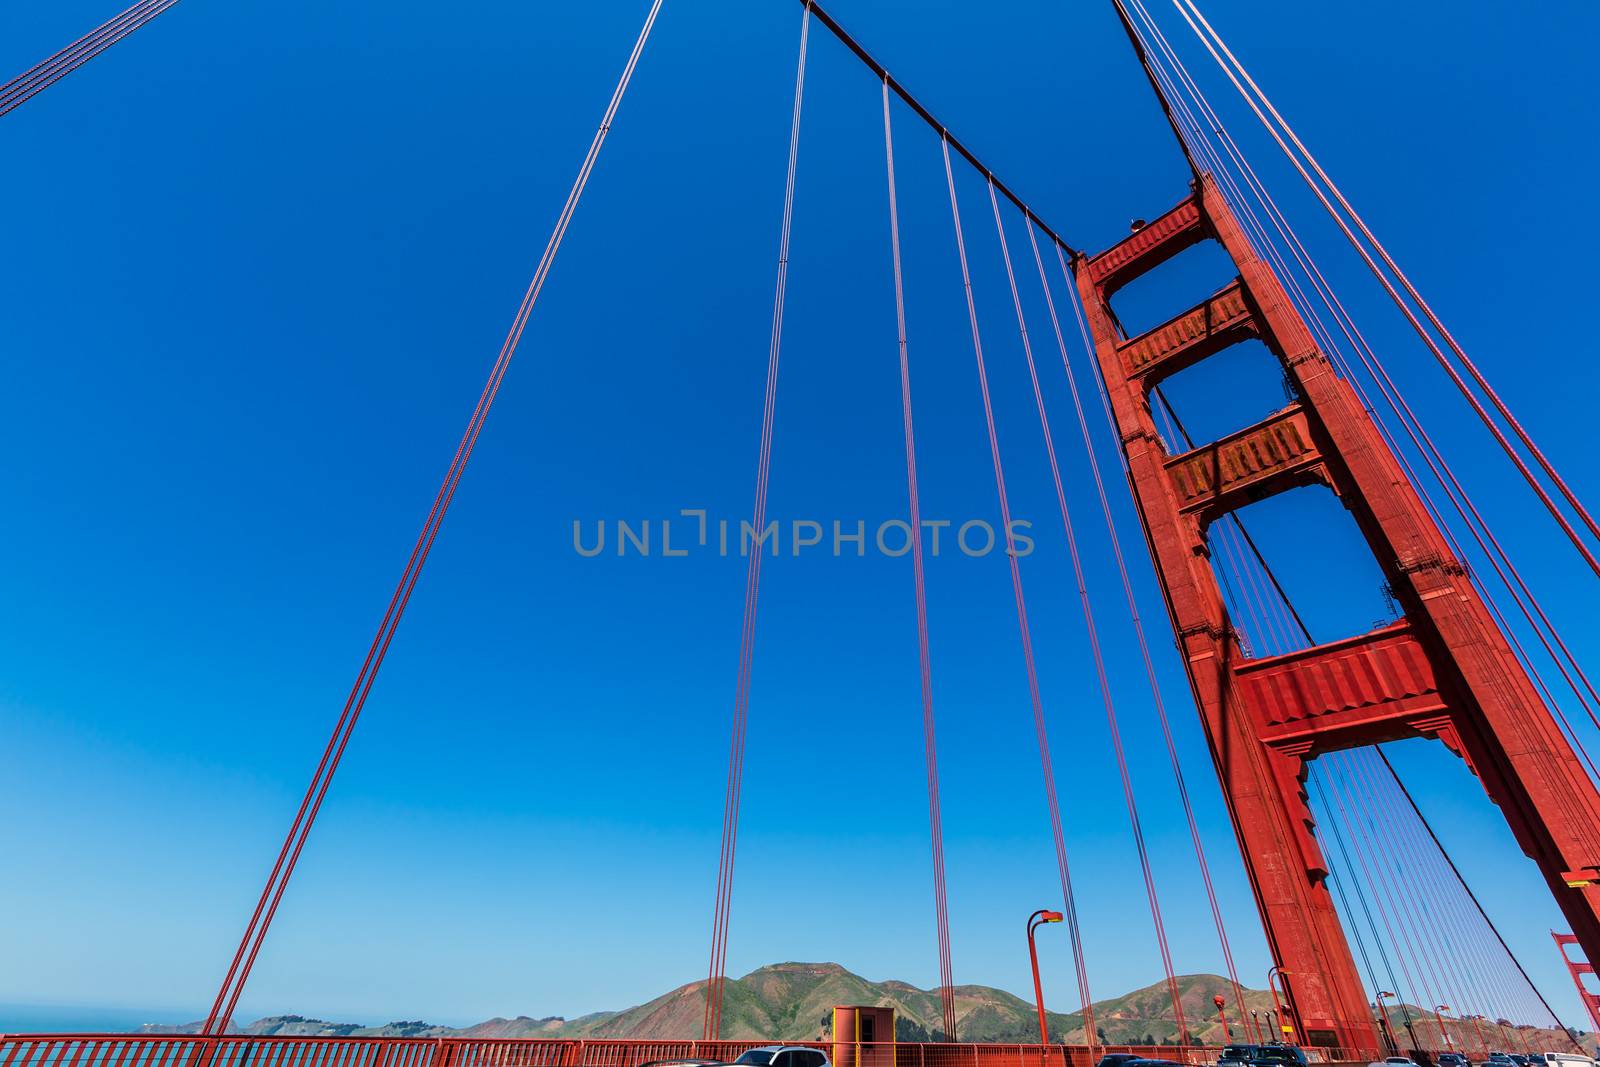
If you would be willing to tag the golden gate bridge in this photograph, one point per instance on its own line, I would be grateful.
(1294, 725)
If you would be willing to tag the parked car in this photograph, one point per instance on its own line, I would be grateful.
(1277, 1054)
(783, 1056)
(1118, 1059)
(1563, 1059)
(1237, 1056)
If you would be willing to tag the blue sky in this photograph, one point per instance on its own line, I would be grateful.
(260, 258)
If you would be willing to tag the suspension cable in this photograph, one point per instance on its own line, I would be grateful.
(1024, 633)
(47, 72)
(1133, 607)
(1366, 910)
(741, 699)
(289, 855)
(1094, 637)
(1425, 446)
(1476, 903)
(1435, 956)
(1367, 856)
(947, 996)
(1396, 403)
(1414, 430)
(926, 116)
(1400, 276)
(1388, 286)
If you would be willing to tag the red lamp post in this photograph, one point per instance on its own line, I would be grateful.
(1036, 920)
(1223, 1015)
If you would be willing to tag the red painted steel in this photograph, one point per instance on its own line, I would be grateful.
(1446, 671)
(1579, 968)
(863, 1036)
(240, 1050)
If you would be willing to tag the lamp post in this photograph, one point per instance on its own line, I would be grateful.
(1444, 1032)
(1404, 1014)
(1223, 1015)
(1255, 1024)
(1036, 920)
(1283, 1005)
(1383, 1025)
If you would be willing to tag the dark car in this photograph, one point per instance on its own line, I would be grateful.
(1237, 1056)
(1277, 1054)
(1119, 1059)
(1452, 1059)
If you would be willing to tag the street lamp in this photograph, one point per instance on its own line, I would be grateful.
(1223, 1015)
(1383, 1023)
(1444, 1031)
(1036, 920)
(1284, 1005)
(1404, 1014)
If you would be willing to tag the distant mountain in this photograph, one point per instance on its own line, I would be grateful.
(794, 1001)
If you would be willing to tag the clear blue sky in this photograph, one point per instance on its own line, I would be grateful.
(258, 260)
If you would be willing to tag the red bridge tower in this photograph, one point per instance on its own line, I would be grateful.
(1444, 671)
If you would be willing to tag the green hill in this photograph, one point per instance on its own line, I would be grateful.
(794, 1001)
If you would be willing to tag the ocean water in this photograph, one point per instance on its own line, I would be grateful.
(68, 1019)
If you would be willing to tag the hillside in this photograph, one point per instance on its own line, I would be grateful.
(793, 1001)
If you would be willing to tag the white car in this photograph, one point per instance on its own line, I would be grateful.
(783, 1056)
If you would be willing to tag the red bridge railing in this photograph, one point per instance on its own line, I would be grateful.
(239, 1050)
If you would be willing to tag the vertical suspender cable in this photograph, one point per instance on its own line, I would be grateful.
(1415, 892)
(1456, 872)
(1368, 858)
(289, 855)
(1133, 612)
(741, 699)
(947, 996)
(42, 75)
(1026, 637)
(1094, 637)
(1366, 910)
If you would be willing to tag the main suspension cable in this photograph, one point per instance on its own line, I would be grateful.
(288, 856)
(1405, 282)
(47, 72)
(1493, 551)
(1388, 286)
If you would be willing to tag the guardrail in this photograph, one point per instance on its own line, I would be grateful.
(240, 1050)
